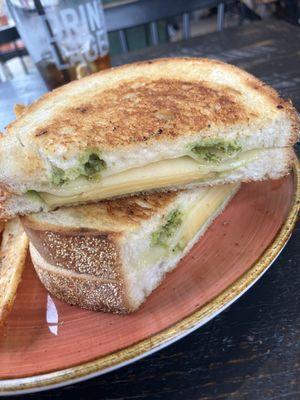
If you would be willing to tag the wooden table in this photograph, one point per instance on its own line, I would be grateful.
(252, 350)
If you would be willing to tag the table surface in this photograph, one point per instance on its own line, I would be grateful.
(252, 350)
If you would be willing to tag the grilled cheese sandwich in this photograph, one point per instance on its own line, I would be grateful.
(183, 121)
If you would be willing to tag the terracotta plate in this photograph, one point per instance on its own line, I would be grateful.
(47, 343)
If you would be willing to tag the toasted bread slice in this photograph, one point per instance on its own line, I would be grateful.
(137, 115)
(110, 256)
(14, 247)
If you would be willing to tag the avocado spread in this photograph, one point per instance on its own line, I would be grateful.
(90, 166)
(216, 150)
(161, 236)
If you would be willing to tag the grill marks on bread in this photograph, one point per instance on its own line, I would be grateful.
(135, 209)
(106, 216)
(144, 110)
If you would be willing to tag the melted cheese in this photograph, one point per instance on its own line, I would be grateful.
(203, 211)
(198, 216)
(176, 171)
(157, 175)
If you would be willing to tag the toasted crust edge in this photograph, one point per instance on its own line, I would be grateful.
(83, 251)
(14, 248)
(84, 290)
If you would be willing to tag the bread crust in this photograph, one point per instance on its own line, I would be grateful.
(14, 246)
(84, 290)
(83, 251)
(86, 268)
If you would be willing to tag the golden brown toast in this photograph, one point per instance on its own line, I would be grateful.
(133, 116)
(147, 102)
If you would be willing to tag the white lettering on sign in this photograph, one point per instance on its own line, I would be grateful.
(78, 32)
(82, 15)
(70, 20)
(93, 12)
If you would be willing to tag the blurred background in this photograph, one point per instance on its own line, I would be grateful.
(14, 58)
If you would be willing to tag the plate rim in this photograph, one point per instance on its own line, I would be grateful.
(171, 334)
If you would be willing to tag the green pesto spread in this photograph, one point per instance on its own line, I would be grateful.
(33, 195)
(162, 235)
(215, 150)
(90, 166)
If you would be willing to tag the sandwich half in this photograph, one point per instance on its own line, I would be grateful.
(156, 125)
(111, 255)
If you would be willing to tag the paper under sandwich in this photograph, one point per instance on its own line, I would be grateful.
(111, 255)
(157, 125)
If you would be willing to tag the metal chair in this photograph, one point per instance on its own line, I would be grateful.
(9, 35)
(128, 14)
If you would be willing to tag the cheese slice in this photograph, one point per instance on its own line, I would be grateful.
(156, 175)
(203, 211)
(161, 174)
(196, 218)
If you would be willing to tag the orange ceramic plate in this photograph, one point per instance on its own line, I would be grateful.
(47, 343)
